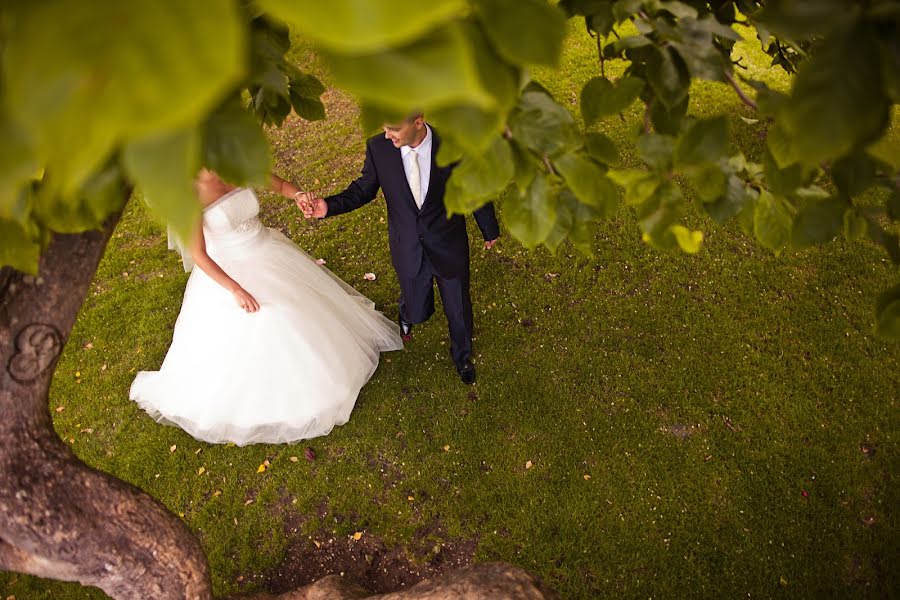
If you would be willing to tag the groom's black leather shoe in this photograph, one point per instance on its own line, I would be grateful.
(466, 372)
(405, 328)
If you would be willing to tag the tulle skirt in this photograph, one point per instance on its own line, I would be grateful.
(288, 372)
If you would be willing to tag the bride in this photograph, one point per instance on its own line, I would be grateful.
(269, 347)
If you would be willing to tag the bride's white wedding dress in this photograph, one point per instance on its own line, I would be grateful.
(291, 370)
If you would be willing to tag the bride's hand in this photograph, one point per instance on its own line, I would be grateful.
(245, 300)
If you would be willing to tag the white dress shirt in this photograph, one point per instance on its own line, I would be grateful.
(423, 155)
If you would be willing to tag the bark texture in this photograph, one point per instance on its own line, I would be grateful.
(485, 581)
(60, 518)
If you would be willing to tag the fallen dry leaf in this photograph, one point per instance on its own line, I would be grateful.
(294, 459)
(173, 448)
(60, 408)
(104, 367)
(263, 466)
(370, 277)
(446, 448)
(410, 498)
(357, 535)
(320, 261)
(201, 470)
(309, 454)
(528, 464)
(587, 477)
(318, 545)
(217, 493)
(88, 346)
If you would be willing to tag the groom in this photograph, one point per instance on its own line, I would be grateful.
(426, 245)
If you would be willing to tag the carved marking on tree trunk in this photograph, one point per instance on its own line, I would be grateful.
(37, 347)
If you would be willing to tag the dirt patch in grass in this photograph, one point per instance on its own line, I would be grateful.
(367, 561)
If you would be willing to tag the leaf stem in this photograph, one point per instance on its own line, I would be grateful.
(549, 165)
(746, 100)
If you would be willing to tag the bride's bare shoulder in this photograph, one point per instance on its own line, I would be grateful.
(210, 187)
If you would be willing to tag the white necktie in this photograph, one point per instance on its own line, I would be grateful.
(415, 179)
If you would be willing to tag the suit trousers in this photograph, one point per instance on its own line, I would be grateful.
(417, 305)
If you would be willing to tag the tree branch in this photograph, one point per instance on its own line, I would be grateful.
(60, 518)
(748, 101)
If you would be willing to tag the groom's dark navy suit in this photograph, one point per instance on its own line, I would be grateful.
(425, 244)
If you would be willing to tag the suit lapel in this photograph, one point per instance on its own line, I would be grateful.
(435, 143)
(397, 162)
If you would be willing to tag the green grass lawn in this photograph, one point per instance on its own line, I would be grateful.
(643, 425)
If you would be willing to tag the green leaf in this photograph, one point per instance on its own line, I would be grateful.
(527, 166)
(665, 119)
(784, 181)
(164, 168)
(472, 127)
(893, 205)
(600, 98)
(656, 150)
(731, 203)
(102, 195)
(17, 165)
(541, 124)
(438, 70)
(888, 311)
(530, 216)
(506, 20)
(658, 213)
(601, 148)
(235, 146)
(581, 233)
(709, 181)
(704, 141)
(781, 146)
(639, 185)
(565, 218)
(80, 82)
(837, 102)
(772, 221)
(360, 26)
(20, 247)
(818, 222)
(588, 182)
(482, 176)
(668, 76)
(799, 19)
(855, 226)
(853, 174)
(688, 240)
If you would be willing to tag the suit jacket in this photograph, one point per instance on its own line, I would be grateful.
(411, 231)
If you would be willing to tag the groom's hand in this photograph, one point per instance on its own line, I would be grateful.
(490, 244)
(318, 208)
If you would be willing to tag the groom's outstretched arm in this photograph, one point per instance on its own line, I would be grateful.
(360, 192)
(487, 222)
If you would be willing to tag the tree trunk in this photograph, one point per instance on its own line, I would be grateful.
(60, 518)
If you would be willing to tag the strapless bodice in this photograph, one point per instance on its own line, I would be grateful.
(231, 219)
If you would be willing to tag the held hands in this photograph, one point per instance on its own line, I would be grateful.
(312, 206)
(245, 300)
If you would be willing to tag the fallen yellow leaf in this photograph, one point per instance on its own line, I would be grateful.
(318, 545)
(446, 448)
(201, 470)
(77, 373)
(60, 408)
(410, 498)
(217, 493)
(294, 459)
(357, 535)
(263, 466)
(528, 464)
(586, 477)
(173, 448)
